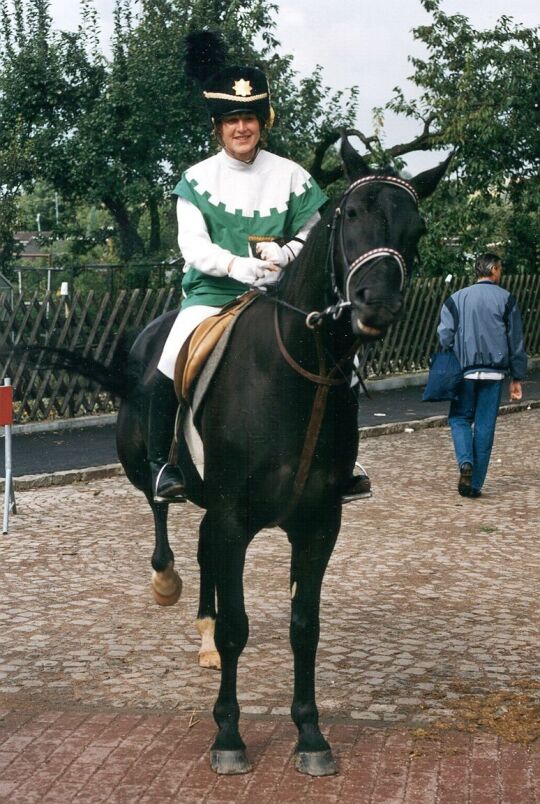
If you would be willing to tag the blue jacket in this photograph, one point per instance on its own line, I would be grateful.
(482, 324)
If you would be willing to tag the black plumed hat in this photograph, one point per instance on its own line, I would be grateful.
(226, 89)
(205, 54)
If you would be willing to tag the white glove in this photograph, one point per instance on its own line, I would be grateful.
(270, 278)
(248, 269)
(274, 253)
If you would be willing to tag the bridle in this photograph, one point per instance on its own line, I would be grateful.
(337, 375)
(371, 256)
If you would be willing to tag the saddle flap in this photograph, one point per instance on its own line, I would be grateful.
(201, 343)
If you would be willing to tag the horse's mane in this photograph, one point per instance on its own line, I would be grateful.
(303, 282)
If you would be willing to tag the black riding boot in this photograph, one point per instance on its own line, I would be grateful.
(168, 483)
(358, 487)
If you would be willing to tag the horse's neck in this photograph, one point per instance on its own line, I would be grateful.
(305, 284)
(306, 287)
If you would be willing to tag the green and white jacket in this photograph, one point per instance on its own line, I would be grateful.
(222, 202)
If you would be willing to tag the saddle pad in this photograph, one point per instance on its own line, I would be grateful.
(202, 342)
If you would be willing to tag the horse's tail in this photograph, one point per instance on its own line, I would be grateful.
(114, 376)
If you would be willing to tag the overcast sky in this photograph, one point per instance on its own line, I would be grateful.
(356, 42)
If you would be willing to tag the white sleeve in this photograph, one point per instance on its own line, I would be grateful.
(296, 245)
(195, 244)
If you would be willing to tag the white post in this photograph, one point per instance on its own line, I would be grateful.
(9, 494)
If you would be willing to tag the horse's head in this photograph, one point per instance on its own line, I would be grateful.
(376, 229)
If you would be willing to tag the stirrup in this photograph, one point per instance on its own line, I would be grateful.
(360, 495)
(175, 492)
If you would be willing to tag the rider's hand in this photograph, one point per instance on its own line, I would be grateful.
(270, 278)
(274, 253)
(249, 269)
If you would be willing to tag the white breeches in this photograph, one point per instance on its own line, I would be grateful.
(186, 321)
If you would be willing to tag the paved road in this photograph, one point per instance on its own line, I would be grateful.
(428, 667)
(95, 446)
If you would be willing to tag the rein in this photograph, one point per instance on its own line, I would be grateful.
(328, 379)
(324, 381)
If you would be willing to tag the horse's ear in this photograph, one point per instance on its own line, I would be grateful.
(354, 165)
(426, 182)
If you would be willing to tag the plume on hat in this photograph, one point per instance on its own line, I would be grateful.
(205, 54)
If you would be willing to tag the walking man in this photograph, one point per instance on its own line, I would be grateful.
(482, 324)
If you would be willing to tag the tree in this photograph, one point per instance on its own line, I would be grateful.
(47, 81)
(15, 165)
(479, 93)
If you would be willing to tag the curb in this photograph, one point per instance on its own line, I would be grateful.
(99, 420)
(65, 478)
(69, 476)
(436, 421)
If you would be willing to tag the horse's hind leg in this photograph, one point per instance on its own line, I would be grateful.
(311, 550)
(206, 616)
(227, 548)
(166, 584)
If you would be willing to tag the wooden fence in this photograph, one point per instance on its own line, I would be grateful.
(93, 323)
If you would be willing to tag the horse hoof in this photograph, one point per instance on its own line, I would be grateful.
(166, 586)
(229, 762)
(210, 659)
(315, 763)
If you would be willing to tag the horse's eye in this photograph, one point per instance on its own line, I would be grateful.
(351, 213)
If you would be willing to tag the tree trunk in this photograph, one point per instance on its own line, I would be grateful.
(155, 226)
(130, 242)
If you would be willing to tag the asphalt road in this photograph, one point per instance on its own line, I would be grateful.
(55, 451)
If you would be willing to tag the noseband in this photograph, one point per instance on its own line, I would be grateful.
(367, 257)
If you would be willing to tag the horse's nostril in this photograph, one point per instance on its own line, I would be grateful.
(372, 298)
(364, 295)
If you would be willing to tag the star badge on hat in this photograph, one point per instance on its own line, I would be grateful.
(242, 88)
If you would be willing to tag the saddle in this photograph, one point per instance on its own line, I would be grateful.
(201, 343)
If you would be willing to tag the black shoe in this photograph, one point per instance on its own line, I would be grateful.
(167, 483)
(472, 493)
(358, 487)
(465, 480)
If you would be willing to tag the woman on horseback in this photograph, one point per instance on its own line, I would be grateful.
(243, 216)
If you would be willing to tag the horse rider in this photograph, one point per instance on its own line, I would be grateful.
(231, 210)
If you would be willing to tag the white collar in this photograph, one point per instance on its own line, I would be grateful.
(237, 164)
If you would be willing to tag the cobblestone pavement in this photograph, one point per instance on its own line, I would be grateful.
(429, 620)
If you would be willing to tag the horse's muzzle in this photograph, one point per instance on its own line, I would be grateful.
(373, 314)
(376, 297)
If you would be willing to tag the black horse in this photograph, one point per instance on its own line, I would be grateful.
(279, 428)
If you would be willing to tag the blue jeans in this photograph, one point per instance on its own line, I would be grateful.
(472, 419)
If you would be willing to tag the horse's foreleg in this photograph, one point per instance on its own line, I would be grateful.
(166, 584)
(228, 550)
(206, 616)
(311, 551)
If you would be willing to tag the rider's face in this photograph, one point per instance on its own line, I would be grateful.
(240, 135)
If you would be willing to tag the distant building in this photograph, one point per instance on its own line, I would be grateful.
(31, 245)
